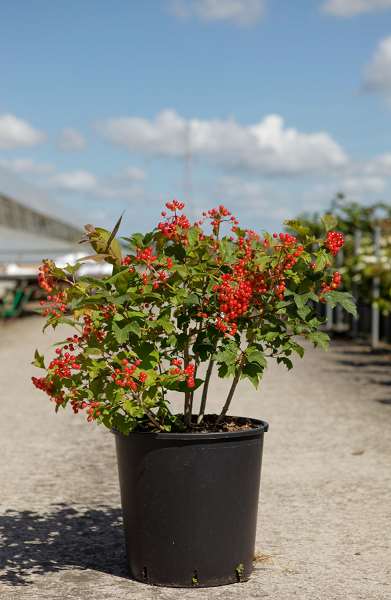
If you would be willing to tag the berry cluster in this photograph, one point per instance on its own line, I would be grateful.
(93, 410)
(175, 205)
(218, 215)
(45, 279)
(175, 226)
(55, 305)
(334, 242)
(78, 405)
(187, 372)
(126, 261)
(74, 340)
(89, 329)
(154, 273)
(146, 255)
(124, 377)
(291, 258)
(234, 295)
(329, 287)
(63, 365)
(286, 239)
(108, 311)
(43, 383)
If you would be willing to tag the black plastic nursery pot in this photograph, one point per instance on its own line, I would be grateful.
(190, 504)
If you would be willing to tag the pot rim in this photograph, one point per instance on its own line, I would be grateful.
(262, 427)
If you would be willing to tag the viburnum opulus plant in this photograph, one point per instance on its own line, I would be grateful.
(182, 300)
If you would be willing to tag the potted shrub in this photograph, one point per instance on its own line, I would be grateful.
(182, 302)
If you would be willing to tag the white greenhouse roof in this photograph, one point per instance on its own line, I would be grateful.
(23, 247)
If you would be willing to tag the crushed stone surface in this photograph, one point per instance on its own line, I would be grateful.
(324, 525)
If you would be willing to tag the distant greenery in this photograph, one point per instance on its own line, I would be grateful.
(360, 221)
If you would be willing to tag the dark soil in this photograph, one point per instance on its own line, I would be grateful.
(228, 424)
(208, 425)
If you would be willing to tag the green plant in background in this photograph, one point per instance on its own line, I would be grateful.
(184, 296)
(360, 264)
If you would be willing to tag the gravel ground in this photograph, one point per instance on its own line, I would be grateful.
(325, 510)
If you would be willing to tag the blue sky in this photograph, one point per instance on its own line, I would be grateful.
(269, 106)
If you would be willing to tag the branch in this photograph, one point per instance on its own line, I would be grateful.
(230, 395)
(191, 399)
(235, 382)
(152, 418)
(148, 412)
(187, 407)
(205, 391)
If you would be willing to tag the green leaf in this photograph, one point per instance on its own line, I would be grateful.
(166, 324)
(297, 348)
(118, 300)
(227, 250)
(121, 334)
(192, 299)
(298, 227)
(90, 351)
(285, 361)
(39, 360)
(254, 355)
(181, 386)
(270, 336)
(136, 240)
(182, 271)
(113, 233)
(120, 281)
(148, 355)
(134, 327)
(102, 242)
(95, 368)
(193, 235)
(319, 338)
(262, 260)
(344, 299)
(322, 260)
(329, 221)
(135, 314)
(253, 371)
(133, 409)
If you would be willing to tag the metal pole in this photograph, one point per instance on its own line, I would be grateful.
(357, 246)
(375, 292)
(338, 309)
(329, 317)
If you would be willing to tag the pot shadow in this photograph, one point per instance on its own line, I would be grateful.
(36, 544)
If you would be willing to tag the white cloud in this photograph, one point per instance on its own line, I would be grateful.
(114, 187)
(350, 8)
(361, 178)
(255, 197)
(71, 140)
(379, 166)
(267, 147)
(377, 76)
(26, 165)
(134, 174)
(240, 12)
(75, 181)
(110, 191)
(15, 133)
(363, 184)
